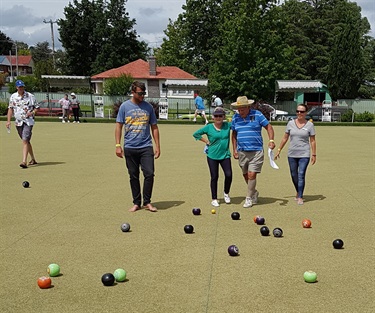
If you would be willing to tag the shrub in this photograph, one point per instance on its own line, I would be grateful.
(347, 116)
(3, 108)
(364, 117)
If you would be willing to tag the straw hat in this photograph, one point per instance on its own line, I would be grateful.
(242, 102)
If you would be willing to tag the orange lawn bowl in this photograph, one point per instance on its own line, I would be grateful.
(44, 282)
(306, 223)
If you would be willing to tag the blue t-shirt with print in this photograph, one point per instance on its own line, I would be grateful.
(249, 130)
(137, 119)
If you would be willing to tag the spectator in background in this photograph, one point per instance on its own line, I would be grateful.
(23, 105)
(200, 109)
(216, 101)
(65, 104)
(75, 107)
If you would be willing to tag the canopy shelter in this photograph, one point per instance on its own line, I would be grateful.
(68, 82)
(190, 84)
(64, 81)
(300, 87)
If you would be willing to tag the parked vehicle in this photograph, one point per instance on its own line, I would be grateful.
(49, 108)
(316, 113)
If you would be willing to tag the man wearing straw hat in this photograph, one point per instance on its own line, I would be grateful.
(247, 144)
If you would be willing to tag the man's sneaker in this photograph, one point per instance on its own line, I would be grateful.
(215, 203)
(226, 198)
(248, 203)
(254, 198)
(63, 121)
(74, 121)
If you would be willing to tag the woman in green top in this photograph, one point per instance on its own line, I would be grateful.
(217, 144)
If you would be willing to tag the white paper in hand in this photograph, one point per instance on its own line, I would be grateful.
(271, 157)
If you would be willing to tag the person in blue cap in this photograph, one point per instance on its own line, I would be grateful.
(23, 106)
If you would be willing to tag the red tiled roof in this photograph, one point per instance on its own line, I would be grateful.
(140, 70)
(23, 60)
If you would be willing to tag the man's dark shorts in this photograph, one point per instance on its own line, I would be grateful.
(25, 132)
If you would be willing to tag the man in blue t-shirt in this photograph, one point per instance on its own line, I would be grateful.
(247, 144)
(200, 109)
(140, 122)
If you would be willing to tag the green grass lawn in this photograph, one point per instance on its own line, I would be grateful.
(79, 196)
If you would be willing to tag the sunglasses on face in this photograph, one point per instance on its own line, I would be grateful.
(218, 115)
(140, 93)
(298, 111)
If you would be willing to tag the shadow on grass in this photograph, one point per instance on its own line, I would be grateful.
(280, 201)
(164, 205)
(261, 200)
(48, 163)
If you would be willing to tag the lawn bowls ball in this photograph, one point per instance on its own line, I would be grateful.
(108, 279)
(265, 231)
(197, 211)
(125, 227)
(260, 220)
(120, 275)
(235, 216)
(213, 211)
(306, 223)
(278, 232)
(233, 250)
(44, 282)
(338, 243)
(255, 218)
(53, 270)
(310, 277)
(26, 184)
(189, 229)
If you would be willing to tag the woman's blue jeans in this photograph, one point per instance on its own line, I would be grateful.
(298, 168)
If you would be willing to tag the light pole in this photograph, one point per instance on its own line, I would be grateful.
(53, 40)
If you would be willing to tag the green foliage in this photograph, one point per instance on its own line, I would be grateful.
(364, 117)
(244, 46)
(31, 83)
(347, 116)
(3, 108)
(118, 86)
(97, 36)
(5, 44)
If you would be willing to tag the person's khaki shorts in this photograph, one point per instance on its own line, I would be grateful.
(251, 161)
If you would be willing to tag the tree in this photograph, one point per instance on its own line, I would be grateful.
(193, 37)
(99, 35)
(345, 70)
(6, 44)
(118, 86)
(252, 55)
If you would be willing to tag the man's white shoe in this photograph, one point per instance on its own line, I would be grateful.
(254, 198)
(248, 203)
(63, 121)
(226, 198)
(215, 203)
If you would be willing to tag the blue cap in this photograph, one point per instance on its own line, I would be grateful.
(20, 83)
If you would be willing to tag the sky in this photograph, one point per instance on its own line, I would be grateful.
(24, 20)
